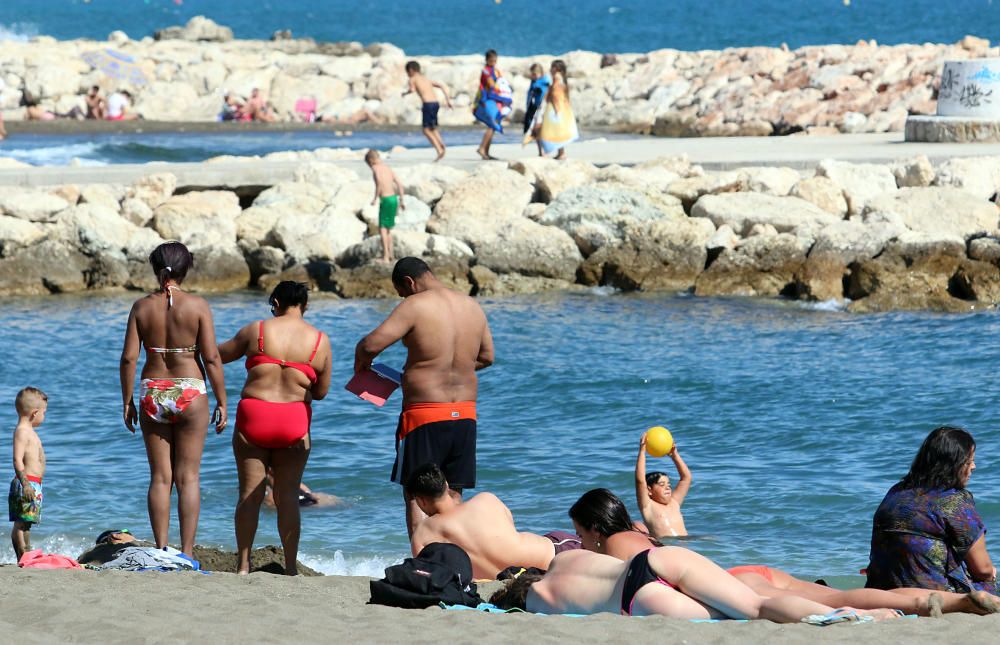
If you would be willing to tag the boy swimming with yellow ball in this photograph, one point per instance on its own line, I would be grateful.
(659, 504)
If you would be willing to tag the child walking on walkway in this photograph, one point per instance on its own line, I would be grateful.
(424, 87)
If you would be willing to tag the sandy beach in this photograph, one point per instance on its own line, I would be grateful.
(113, 607)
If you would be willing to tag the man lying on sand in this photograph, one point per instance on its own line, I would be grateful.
(483, 526)
(667, 581)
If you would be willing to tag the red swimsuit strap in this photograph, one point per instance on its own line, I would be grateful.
(260, 337)
(315, 348)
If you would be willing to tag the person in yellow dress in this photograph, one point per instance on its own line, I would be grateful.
(558, 123)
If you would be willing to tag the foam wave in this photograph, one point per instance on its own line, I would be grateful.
(57, 155)
(58, 543)
(18, 31)
(372, 566)
(826, 305)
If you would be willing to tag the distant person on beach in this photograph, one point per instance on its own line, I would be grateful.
(666, 581)
(35, 112)
(558, 122)
(95, 103)
(493, 102)
(257, 108)
(24, 501)
(118, 106)
(424, 87)
(288, 367)
(389, 197)
(483, 526)
(448, 340)
(177, 330)
(232, 109)
(535, 107)
(927, 531)
(603, 523)
(660, 506)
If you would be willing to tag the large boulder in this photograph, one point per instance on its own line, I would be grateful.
(939, 212)
(528, 248)
(295, 196)
(406, 243)
(95, 229)
(913, 272)
(837, 246)
(153, 189)
(199, 28)
(860, 182)
(169, 101)
(823, 192)
(428, 182)
(32, 205)
(915, 172)
(742, 211)
(666, 254)
(764, 265)
(16, 233)
(330, 177)
(255, 223)
(310, 238)
(62, 271)
(476, 207)
(770, 180)
(219, 268)
(552, 177)
(979, 176)
(199, 219)
(287, 90)
(597, 215)
(107, 195)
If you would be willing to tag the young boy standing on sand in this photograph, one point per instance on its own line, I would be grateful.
(424, 87)
(661, 507)
(24, 501)
(389, 194)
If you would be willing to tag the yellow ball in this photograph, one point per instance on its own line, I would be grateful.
(659, 441)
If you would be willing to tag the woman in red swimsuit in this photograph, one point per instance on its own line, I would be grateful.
(288, 366)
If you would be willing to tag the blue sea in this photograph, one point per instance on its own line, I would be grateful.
(794, 420)
(524, 27)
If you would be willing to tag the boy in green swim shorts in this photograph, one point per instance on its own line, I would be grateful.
(389, 195)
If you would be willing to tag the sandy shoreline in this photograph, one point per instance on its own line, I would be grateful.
(114, 607)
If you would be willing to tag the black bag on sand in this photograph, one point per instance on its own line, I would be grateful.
(440, 573)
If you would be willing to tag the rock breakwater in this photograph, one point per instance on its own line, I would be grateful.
(740, 91)
(879, 237)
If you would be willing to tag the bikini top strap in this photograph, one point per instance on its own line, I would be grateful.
(260, 337)
(319, 337)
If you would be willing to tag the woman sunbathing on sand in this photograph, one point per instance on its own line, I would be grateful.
(667, 581)
(603, 523)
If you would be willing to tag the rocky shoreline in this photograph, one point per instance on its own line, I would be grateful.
(742, 91)
(907, 235)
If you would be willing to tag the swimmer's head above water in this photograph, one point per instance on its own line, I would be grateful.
(658, 485)
(171, 261)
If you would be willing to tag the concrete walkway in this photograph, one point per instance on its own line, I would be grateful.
(801, 152)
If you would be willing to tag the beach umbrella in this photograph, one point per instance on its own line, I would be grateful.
(117, 65)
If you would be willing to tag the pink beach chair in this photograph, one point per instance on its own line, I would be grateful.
(306, 109)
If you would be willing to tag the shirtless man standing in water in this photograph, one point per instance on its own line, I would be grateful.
(483, 526)
(447, 339)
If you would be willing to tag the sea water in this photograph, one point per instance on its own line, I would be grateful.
(794, 420)
(525, 27)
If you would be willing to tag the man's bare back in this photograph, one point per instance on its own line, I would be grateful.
(443, 347)
(484, 528)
